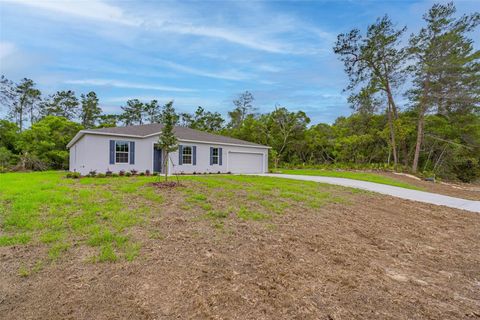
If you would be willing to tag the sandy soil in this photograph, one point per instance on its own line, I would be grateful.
(460, 190)
(376, 258)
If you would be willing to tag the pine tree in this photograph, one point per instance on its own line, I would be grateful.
(90, 111)
(446, 67)
(167, 140)
(376, 64)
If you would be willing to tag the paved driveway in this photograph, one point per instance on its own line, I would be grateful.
(415, 195)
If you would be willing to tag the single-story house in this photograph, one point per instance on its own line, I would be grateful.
(135, 148)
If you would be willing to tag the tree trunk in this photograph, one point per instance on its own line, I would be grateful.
(392, 135)
(165, 166)
(421, 118)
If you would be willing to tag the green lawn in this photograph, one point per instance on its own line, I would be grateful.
(113, 216)
(363, 176)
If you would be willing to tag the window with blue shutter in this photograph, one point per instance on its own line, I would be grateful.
(180, 154)
(132, 152)
(112, 151)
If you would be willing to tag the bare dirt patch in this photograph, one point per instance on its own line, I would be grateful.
(375, 258)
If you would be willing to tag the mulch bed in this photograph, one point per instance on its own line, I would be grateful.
(166, 184)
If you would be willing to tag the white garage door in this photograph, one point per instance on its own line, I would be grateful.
(240, 162)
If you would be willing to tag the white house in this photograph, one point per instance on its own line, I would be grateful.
(134, 148)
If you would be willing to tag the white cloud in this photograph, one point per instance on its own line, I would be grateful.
(226, 75)
(258, 35)
(6, 49)
(91, 9)
(130, 85)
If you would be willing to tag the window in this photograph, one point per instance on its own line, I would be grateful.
(215, 155)
(121, 151)
(187, 155)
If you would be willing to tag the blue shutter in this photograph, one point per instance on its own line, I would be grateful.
(112, 151)
(132, 152)
(194, 151)
(180, 152)
(220, 156)
(211, 155)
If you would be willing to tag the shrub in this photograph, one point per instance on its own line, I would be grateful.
(128, 174)
(121, 173)
(92, 173)
(101, 175)
(148, 173)
(141, 174)
(108, 173)
(155, 174)
(218, 172)
(73, 175)
(194, 172)
(115, 175)
(133, 172)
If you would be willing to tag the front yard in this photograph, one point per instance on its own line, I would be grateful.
(229, 247)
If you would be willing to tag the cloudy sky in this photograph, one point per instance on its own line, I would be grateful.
(195, 52)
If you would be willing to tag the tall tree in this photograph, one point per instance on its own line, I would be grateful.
(90, 111)
(375, 63)
(243, 107)
(445, 66)
(133, 113)
(203, 120)
(7, 92)
(61, 104)
(26, 98)
(167, 140)
(153, 112)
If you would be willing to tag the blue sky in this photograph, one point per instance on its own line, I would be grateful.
(195, 52)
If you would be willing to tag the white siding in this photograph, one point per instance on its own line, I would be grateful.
(92, 152)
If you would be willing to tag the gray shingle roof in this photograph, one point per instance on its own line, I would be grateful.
(182, 133)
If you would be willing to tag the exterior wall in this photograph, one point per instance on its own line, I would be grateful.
(203, 158)
(92, 152)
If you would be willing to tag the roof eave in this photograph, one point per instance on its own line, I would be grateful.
(81, 133)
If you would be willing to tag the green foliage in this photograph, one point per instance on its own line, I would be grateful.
(167, 141)
(47, 140)
(61, 104)
(90, 111)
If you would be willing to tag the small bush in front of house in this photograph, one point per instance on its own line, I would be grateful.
(115, 175)
(229, 172)
(92, 173)
(121, 173)
(194, 172)
(218, 172)
(108, 173)
(101, 175)
(147, 173)
(128, 174)
(155, 174)
(141, 174)
(73, 175)
(133, 172)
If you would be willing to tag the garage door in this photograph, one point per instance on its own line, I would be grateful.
(239, 162)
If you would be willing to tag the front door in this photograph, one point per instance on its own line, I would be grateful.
(157, 159)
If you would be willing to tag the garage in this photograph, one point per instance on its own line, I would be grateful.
(243, 162)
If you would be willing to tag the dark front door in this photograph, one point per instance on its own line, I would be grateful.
(157, 159)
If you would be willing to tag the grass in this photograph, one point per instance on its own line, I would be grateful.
(363, 176)
(46, 209)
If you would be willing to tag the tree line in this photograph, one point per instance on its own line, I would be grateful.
(415, 103)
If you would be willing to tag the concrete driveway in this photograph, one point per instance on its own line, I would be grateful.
(415, 195)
